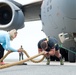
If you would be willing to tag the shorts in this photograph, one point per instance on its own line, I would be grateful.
(57, 47)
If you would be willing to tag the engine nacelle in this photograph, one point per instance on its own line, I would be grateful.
(11, 16)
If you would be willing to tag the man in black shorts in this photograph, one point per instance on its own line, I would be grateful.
(51, 48)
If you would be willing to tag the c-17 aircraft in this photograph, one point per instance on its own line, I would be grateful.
(58, 19)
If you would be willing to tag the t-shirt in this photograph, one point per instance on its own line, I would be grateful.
(5, 40)
(52, 43)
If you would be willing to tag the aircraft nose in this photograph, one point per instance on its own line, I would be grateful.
(68, 8)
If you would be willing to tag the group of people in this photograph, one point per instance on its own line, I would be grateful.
(48, 45)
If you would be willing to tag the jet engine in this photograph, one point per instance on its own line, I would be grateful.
(11, 16)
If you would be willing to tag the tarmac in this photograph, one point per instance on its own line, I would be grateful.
(41, 69)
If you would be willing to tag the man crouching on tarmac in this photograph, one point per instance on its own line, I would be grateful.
(51, 48)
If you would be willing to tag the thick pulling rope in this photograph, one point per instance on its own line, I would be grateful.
(34, 61)
(26, 55)
(4, 56)
(22, 61)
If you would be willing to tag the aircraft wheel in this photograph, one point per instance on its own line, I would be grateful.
(71, 56)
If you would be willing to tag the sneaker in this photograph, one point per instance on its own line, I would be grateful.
(48, 62)
(2, 63)
(23, 64)
(61, 62)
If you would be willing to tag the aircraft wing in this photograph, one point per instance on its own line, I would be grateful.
(32, 11)
(14, 14)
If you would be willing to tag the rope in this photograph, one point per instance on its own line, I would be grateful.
(4, 56)
(22, 61)
(35, 61)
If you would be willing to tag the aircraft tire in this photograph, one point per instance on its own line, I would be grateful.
(64, 54)
(71, 56)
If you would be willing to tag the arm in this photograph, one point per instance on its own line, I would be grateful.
(52, 52)
(52, 47)
(7, 46)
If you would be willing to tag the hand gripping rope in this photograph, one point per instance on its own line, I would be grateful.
(22, 61)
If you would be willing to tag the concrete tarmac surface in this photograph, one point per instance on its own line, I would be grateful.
(41, 69)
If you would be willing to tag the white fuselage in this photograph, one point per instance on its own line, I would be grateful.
(58, 16)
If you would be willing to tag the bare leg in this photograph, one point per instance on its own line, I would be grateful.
(57, 54)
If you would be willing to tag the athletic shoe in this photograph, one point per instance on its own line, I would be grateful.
(48, 62)
(2, 63)
(61, 62)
